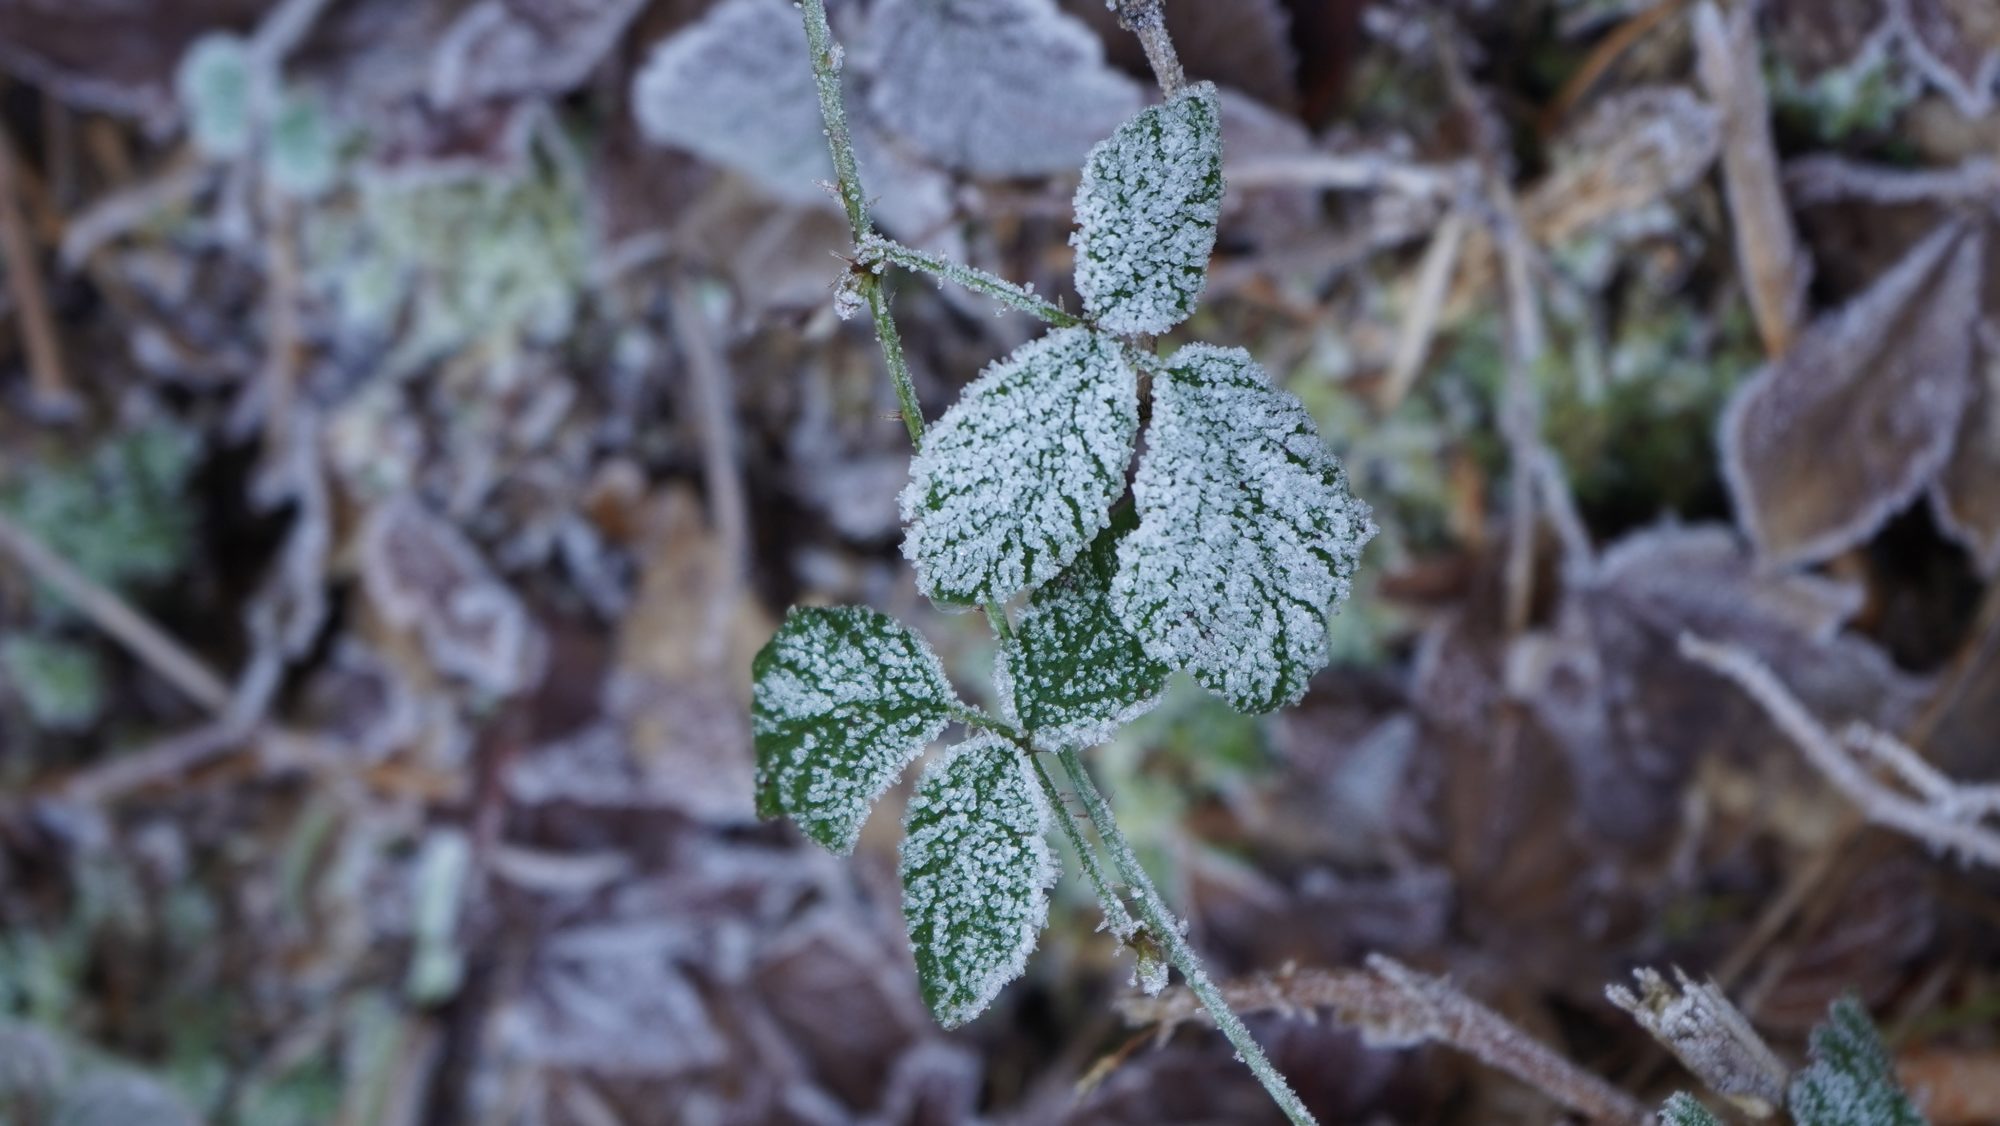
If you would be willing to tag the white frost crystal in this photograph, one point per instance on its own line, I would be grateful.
(1146, 214)
(977, 869)
(1018, 477)
(843, 700)
(1001, 88)
(1071, 673)
(736, 87)
(1247, 532)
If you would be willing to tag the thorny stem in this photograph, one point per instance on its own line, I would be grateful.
(1145, 19)
(1167, 930)
(876, 249)
(826, 56)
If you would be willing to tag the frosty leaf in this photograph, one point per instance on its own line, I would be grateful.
(844, 699)
(1964, 497)
(215, 84)
(1072, 674)
(736, 88)
(1682, 1109)
(1018, 477)
(1884, 382)
(1247, 534)
(1851, 1081)
(304, 150)
(1146, 214)
(976, 874)
(1003, 88)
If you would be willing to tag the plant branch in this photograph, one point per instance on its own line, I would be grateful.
(1945, 816)
(875, 250)
(1167, 931)
(1117, 919)
(826, 61)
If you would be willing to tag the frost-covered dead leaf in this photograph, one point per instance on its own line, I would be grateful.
(1966, 494)
(1831, 440)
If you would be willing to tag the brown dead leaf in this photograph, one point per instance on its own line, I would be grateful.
(1813, 37)
(1956, 43)
(1826, 443)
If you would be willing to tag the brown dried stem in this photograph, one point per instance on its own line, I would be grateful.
(50, 381)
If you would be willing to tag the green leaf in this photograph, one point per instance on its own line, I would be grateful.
(1146, 213)
(843, 700)
(1682, 1109)
(976, 873)
(1018, 477)
(1072, 674)
(1247, 532)
(1851, 1081)
(217, 88)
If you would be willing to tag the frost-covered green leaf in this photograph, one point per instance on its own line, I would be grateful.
(736, 87)
(304, 147)
(1072, 673)
(843, 700)
(1247, 532)
(1851, 1081)
(1018, 477)
(216, 87)
(1683, 1109)
(994, 87)
(1146, 214)
(976, 873)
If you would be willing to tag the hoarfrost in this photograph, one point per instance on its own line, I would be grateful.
(1146, 214)
(977, 869)
(1018, 477)
(1681, 1109)
(1851, 1081)
(1002, 88)
(1072, 674)
(844, 699)
(217, 87)
(1247, 532)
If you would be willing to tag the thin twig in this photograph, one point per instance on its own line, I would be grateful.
(875, 249)
(722, 468)
(1346, 172)
(1826, 178)
(52, 391)
(1426, 309)
(1939, 822)
(1391, 1004)
(116, 617)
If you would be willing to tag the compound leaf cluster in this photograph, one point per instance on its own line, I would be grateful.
(844, 699)
(977, 869)
(1017, 478)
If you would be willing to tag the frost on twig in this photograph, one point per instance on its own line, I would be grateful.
(1949, 817)
(1709, 1035)
(1394, 1006)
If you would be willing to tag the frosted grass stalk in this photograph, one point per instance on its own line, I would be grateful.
(878, 249)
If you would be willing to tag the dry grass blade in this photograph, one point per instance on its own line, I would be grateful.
(1775, 268)
(52, 391)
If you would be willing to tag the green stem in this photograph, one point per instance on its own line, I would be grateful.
(1167, 930)
(878, 249)
(1117, 919)
(847, 176)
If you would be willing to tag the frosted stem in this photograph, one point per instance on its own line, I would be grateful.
(847, 175)
(1116, 918)
(1147, 19)
(879, 249)
(1167, 930)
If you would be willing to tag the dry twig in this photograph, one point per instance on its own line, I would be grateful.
(52, 391)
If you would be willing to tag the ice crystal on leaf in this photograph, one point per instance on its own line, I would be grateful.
(1018, 477)
(976, 873)
(737, 88)
(844, 699)
(1072, 673)
(1002, 88)
(1851, 1081)
(1146, 214)
(1247, 532)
